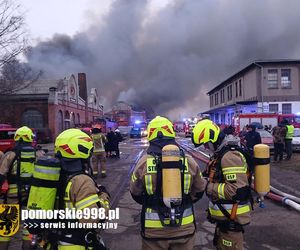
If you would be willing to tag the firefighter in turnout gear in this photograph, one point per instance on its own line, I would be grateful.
(99, 154)
(74, 148)
(16, 169)
(166, 182)
(229, 185)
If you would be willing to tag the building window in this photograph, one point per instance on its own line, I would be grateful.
(60, 121)
(240, 87)
(229, 92)
(67, 120)
(32, 118)
(286, 78)
(272, 78)
(216, 98)
(78, 119)
(211, 100)
(286, 108)
(236, 89)
(222, 95)
(273, 108)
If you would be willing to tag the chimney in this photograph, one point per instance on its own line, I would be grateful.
(82, 86)
(83, 93)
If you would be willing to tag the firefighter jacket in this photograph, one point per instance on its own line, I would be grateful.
(8, 170)
(143, 185)
(99, 140)
(230, 181)
(81, 192)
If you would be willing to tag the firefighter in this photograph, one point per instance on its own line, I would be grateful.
(228, 188)
(289, 133)
(16, 167)
(99, 154)
(166, 224)
(73, 147)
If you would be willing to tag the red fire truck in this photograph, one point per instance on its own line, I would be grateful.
(265, 119)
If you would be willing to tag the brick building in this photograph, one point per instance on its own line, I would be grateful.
(262, 86)
(51, 106)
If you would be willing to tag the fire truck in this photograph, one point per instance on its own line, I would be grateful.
(268, 119)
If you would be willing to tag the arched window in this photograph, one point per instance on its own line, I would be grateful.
(60, 121)
(67, 120)
(72, 120)
(32, 118)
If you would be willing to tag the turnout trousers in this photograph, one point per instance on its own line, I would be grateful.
(176, 244)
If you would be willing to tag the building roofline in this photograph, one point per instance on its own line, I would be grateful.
(249, 66)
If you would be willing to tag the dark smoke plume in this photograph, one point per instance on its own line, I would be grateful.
(167, 61)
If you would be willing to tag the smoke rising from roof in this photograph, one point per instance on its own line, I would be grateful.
(167, 60)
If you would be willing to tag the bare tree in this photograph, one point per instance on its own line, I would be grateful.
(12, 32)
(16, 76)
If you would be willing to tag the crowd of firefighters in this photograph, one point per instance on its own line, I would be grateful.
(166, 182)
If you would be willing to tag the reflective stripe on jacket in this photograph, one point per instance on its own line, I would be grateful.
(188, 216)
(224, 187)
(152, 219)
(79, 204)
(216, 212)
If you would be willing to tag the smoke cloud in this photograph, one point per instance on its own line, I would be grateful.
(166, 61)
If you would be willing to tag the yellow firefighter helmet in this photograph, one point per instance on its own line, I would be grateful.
(73, 143)
(160, 128)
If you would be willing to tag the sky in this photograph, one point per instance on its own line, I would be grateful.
(45, 18)
(159, 55)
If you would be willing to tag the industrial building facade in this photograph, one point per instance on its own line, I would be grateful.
(124, 114)
(261, 87)
(51, 106)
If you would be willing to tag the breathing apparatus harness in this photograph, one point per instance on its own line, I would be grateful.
(45, 238)
(243, 195)
(156, 202)
(22, 182)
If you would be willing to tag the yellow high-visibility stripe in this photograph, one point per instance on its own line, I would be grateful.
(221, 188)
(67, 192)
(234, 170)
(157, 224)
(148, 184)
(240, 210)
(27, 154)
(186, 165)
(133, 177)
(104, 203)
(187, 183)
(69, 205)
(4, 239)
(87, 201)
